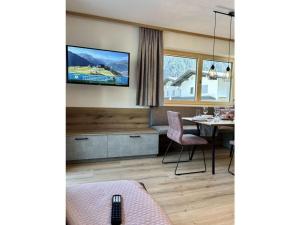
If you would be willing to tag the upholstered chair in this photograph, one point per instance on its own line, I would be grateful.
(175, 134)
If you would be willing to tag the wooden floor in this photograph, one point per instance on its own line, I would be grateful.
(196, 199)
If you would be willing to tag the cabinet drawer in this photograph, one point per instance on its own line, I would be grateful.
(132, 145)
(86, 147)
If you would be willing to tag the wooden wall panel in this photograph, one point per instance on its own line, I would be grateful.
(99, 119)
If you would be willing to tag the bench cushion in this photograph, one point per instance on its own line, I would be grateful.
(90, 204)
(188, 129)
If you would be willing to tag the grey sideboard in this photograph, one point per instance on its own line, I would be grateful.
(111, 144)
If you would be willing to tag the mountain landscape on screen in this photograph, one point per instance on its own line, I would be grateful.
(93, 66)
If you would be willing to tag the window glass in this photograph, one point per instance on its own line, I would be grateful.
(180, 78)
(215, 89)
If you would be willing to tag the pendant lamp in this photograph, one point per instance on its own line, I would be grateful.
(228, 70)
(212, 74)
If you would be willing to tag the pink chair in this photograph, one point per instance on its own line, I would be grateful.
(175, 134)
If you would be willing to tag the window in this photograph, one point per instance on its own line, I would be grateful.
(218, 89)
(186, 80)
(179, 78)
(204, 89)
(192, 90)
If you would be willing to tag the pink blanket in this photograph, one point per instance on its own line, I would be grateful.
(90, 204)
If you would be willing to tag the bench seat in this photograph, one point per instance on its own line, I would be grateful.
(188, 129)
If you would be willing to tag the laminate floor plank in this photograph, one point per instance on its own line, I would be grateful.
(196, 199)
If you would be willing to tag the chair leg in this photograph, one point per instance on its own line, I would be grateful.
(204, 160)
(178, 161)
(193, 151)
(231, 151)
(190, 153)
(230, 163)
(166, 153)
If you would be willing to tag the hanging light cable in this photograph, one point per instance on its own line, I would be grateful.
(212, 71)
(228, 70)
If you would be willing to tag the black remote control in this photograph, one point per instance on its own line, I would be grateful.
(116, 210)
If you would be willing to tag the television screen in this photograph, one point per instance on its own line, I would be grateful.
(96, 66)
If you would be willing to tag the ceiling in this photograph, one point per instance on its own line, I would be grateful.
(188, 15)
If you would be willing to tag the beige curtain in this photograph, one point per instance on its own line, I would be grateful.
(150, 68)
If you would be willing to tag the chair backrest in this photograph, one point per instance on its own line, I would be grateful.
(227, 112)
(175, 130)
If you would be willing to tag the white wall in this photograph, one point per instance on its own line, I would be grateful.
(119, 37)
(197, 44)
(104, 35)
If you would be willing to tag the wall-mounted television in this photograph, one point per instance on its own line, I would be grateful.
(97, 66)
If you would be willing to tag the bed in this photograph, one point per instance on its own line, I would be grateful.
(90, 204)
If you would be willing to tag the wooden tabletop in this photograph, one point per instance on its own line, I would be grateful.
(210, 122)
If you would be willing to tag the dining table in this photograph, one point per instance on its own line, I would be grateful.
(214, 124)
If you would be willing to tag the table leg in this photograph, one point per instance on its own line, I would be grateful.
(213, 149)
(199, 132)
(198, 129)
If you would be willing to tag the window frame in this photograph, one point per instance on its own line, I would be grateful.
(198, 85)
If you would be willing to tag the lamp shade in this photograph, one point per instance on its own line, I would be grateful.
(228, 72)
(212, 74)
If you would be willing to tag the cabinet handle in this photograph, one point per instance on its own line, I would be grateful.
(81, 139)
(134, 136)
